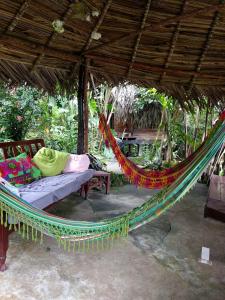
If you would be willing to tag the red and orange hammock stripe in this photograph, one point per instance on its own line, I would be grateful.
(151, 179)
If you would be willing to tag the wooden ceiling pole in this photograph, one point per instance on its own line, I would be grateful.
(173, 42)
(88, 43)
(135, 77)
(142, 67)
(158, 25)
(24, 6)
(13, 59)
(206, 47)
(24, 46)
(137, 43)
(53, 35)
(82, 141)
(98, 24)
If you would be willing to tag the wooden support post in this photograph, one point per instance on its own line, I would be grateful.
(4, 243)
(86, 114)
(82, 143)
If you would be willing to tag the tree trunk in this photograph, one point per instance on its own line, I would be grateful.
(206, 123)
(196, 128)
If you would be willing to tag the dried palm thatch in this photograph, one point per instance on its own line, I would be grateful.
(128, 114)
(149, 117)
(174, 45)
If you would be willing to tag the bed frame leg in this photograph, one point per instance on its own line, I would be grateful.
(4, 243)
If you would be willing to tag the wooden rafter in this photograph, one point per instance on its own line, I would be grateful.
(137, 43)
(52, 37)
(206, 47)
(25, 62)
(24, 6)
(144, 67)
(26, 47)
(160, 24)
(173, 42)
(98, 24)
(17, 16)
(133, 77)
(88, 43)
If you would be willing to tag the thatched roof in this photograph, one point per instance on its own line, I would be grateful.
(128, 114)
(175, 45)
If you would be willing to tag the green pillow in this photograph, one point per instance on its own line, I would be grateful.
(50, 162)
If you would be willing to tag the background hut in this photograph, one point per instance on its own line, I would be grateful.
(133, 120)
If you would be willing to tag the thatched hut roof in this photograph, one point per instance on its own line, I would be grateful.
(177, 46)
(128, 114)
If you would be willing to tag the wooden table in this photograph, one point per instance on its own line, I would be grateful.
(131, 141)
(99, 179)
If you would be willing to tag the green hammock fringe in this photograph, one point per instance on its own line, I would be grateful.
(79, 236)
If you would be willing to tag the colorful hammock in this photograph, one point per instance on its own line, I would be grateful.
(151, 179)
(81, 235)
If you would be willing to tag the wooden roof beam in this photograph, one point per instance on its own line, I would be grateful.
(206, 46)
(6, 57)
(17, 16)
(173, 43)
(98, 24)
(144, 67)
(169, 21)
(122, 75)
(52, 37)
(25, 46)
(88, 43)
(137, 43)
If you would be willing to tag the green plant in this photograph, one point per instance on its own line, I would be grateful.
(18, 109)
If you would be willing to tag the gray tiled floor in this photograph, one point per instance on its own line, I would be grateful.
(158, 261)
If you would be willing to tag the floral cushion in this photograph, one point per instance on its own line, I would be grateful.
(19, 170)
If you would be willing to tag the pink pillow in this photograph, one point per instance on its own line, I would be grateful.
(77, 163)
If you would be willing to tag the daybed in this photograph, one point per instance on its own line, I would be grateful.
(215, 205)
(43, 192)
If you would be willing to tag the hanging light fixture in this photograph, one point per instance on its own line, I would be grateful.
(58, 26)
(96, 35)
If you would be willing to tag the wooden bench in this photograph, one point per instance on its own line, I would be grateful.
(11, 149)
(215, 205)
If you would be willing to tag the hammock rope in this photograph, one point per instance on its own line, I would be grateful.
(75, 236)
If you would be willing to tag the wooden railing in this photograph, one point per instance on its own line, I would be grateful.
(10, 149)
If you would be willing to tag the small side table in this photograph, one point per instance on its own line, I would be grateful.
(99, 179)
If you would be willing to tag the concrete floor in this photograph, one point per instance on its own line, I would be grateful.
(157, 262)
